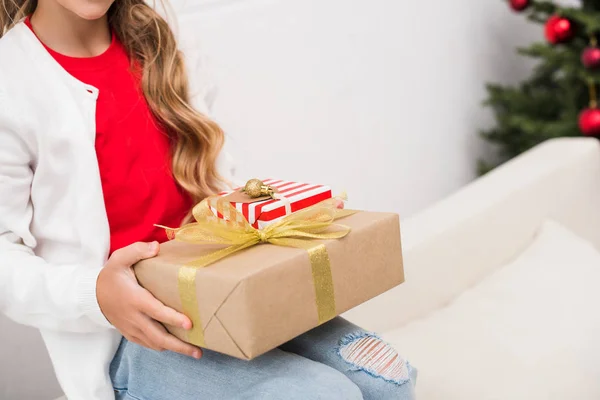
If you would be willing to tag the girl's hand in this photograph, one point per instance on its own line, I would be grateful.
(133, 310)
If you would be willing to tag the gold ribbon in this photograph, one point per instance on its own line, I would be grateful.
(295, 230)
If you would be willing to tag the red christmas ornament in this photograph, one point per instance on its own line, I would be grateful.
(558, 29)
(591, 57)
(589, 122)
(519, 5)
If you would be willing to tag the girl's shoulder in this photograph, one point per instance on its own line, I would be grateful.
(12, 42)
(20, 81)
(16, 61)
(10, 58)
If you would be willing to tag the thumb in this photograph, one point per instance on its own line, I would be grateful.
(128, 256)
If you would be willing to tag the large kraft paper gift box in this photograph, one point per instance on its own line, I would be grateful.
(258, 298)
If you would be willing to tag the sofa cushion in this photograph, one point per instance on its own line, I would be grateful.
(530, 331)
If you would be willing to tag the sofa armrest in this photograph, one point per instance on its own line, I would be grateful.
(454, 244)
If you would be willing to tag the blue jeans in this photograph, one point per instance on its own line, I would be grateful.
(335, 361)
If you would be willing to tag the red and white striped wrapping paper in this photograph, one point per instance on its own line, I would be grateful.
(300, 195)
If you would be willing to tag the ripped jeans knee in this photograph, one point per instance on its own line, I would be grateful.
(369, 353)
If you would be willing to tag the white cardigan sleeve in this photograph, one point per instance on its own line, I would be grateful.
(32, 291)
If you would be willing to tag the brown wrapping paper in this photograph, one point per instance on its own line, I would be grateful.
(257, 299)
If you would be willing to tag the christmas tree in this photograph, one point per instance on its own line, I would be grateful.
(559, 99)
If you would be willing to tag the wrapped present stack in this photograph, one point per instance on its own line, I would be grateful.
(250, 281)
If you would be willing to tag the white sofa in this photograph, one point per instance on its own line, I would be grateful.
(453, 244)
(448, 249)
(466, 239)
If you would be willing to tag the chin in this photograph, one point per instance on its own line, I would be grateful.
(91, 9)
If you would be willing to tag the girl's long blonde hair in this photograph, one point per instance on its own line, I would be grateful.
(196, 139)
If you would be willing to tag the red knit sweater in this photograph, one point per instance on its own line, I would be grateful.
(133, 151)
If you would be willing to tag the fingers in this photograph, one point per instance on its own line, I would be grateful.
(160, 339)
(140, 341)
(147, 312)
(161, 313)
(127, 256)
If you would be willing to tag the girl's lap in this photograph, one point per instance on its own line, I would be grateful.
(144, 374)
(319, 364)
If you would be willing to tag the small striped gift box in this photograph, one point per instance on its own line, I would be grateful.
(299, 195)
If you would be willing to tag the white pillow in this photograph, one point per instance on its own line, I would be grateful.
(529, 331)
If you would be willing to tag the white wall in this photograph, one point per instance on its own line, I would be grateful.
(381, 98)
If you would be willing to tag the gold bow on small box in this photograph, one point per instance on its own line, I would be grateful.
(298, 230)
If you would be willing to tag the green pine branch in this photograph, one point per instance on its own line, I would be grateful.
(548, 103)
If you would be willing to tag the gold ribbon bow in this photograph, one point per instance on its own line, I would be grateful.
(295, 230)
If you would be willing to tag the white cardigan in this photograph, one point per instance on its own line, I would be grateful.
(54, 234)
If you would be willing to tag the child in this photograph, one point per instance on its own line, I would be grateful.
(101, 137)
